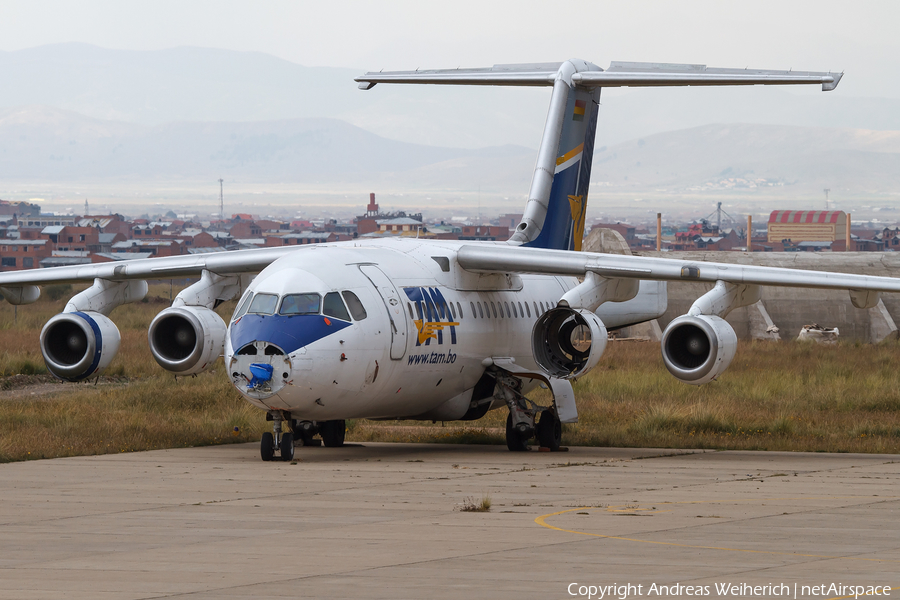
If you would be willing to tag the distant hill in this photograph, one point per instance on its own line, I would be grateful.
(204, 84)
(46, 144)
(737, 156)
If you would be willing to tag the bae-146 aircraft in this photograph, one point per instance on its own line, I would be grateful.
(425, 329)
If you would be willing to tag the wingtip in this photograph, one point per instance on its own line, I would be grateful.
(827, 86)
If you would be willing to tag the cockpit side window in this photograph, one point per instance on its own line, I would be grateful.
(334, 307)
(263, 304)
(300, 304)
(356, 308)
(243, 306)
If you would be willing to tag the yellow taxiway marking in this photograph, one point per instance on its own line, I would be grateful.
(542, 521)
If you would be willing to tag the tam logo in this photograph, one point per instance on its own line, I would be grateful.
(433, 314)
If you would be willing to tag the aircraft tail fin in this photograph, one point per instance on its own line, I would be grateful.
(557, 202)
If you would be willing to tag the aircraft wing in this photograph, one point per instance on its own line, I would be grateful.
(618, 74)
(221, 263)
(563, 262)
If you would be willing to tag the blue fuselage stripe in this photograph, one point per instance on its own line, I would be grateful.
(289, 333)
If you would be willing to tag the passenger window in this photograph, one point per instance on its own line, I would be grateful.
(459, 311)
(263, 304)
(452, 312)
(515, 312)
(506, 304)
(542, 308)
(411, 315)
(501, 309)
(472, 304)
(527, 309)
(536, 313)
(300, 304)
(481, 312)
(494, 309)
(356, 308)
(243, 306)
(334, 307)
(419, 310)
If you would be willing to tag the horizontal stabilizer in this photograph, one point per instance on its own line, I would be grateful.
(622, 74)
(619, 74)
(539, 74)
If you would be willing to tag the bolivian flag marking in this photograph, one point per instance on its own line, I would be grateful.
(578, 115)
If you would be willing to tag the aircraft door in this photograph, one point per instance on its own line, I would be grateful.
(394, 305)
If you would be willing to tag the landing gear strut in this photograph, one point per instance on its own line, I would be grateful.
(521, 423)
(284, 442)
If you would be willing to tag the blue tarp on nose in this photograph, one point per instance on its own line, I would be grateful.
(261, 373)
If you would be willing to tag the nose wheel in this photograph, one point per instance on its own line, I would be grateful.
(277, 440)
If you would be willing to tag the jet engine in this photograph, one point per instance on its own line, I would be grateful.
(77, 345)
(567, 342)
(186, 339)
(697, 349)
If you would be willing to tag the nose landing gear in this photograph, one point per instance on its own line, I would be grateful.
(283, 441)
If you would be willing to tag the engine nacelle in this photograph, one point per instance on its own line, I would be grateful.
(698, 349)
(568, 342)
(78, 345)
(186, 339)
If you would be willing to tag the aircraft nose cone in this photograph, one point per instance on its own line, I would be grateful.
(260, 369)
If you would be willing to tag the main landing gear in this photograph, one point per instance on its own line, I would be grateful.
(522, 423)
(331, 432)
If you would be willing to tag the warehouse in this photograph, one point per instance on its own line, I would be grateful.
(808, 226)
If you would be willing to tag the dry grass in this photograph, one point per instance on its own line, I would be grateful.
(470, 504)
(775, 396)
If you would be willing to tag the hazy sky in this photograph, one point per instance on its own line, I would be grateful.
(857, 37)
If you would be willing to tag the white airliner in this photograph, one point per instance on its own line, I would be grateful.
(437, 330)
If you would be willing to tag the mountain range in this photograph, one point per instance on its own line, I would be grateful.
(74, 112)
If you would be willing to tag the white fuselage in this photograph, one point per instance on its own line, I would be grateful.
(417, 353)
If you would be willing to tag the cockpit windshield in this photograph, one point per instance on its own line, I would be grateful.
(263, 304)
(300, 304)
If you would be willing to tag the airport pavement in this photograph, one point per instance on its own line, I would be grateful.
(384, 521)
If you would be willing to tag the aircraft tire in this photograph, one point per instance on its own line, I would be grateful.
(267, 446)
(304, 432)
(332, 433)
(549, 431)
(514, 440)
(287, 447)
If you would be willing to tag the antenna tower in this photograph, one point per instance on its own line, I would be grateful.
(826, 197)
(718, 213)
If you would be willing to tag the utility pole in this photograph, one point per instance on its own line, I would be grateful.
(826, 198)
(658, 232)
(749, 233)
(221, 200)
